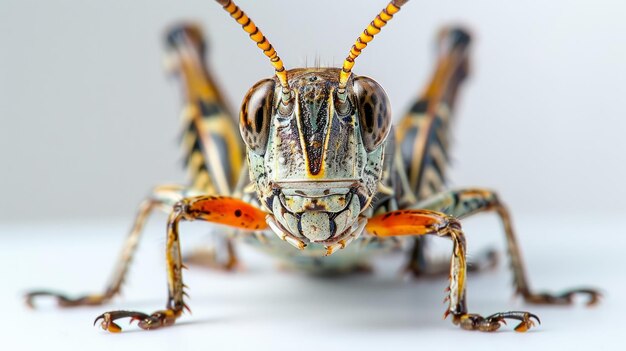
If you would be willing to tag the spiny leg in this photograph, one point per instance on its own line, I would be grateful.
(467, 202)
(427, 222)
(175, 304)
(215, 209)
(162, 197)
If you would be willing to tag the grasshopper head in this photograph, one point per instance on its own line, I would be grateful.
(316, 158)
(315, 140)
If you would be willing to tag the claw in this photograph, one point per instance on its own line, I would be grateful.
(107, 323)
(536, 318)
(134, 319)
(525, 318)
(565, 298)
(493, 322)
(594, 298)
(64, 301)
(527, 323)
(28, 300)
(524, 326)
(108, 319)
(593, 295)
(30, 297)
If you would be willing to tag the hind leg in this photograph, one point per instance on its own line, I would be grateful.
(213, 150)
(423, 140)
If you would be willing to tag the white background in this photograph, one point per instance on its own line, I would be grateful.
(88, 124)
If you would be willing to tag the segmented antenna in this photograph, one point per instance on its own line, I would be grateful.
(361, 42)
(261, 41)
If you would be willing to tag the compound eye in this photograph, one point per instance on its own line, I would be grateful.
(374, 112)
(256, 116)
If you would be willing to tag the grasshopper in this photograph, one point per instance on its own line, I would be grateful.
(321, 167)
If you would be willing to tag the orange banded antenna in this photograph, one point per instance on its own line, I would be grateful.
(361, 42)
(261, 41)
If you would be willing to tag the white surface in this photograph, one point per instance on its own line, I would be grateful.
(85, 108)
(263, 308)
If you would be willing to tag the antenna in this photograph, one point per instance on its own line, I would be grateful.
(361, 42)
(261, 41)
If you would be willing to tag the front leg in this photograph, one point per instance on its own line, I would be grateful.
(216, 209)
(426, 222)
(175, 303)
